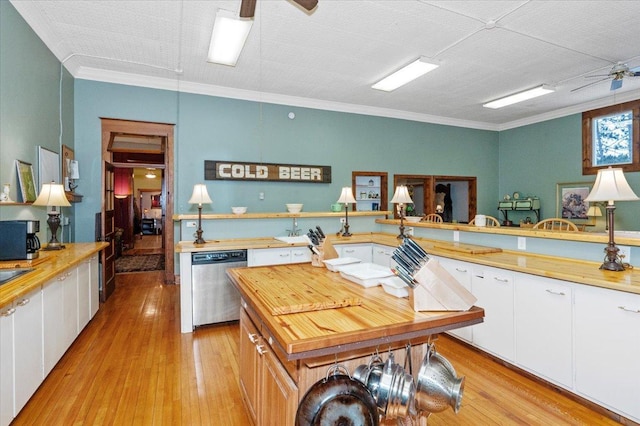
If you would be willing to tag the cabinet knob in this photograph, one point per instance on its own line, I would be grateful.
(559, 293)
(253, 337)
(624, 308)
(261, 350)
(8, 312)
(23, 302)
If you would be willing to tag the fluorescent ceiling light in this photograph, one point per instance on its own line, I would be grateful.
(228, 37)
(405, 75)
(519, 97)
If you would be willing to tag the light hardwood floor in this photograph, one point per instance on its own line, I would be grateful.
(132, 366)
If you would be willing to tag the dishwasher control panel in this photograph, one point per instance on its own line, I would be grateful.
(219, 257)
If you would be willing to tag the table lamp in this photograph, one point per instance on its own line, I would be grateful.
(401, 197)
(611, 186)
(52, 195)
(346, 198)
(199, 196)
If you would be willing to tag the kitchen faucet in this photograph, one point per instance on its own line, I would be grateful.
(294, 231)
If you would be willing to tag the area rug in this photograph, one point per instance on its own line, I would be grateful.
(152, 262)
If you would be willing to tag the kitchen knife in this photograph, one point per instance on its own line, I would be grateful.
(322, 236)
(417, 248)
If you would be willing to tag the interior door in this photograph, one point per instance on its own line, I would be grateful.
(108, 255)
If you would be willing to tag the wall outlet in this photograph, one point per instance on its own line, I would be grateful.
(191, 224)
(343, 220)
(456, 236)
(261, 196)
(625, 254)
(409, 231)
(522, 243)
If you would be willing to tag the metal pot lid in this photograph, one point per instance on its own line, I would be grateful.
(337, 400)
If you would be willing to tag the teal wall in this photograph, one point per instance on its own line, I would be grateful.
(29, 108)
(535, 158)
(212, 128)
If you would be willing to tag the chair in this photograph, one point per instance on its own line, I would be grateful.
(491, 221)
(556, 224)
(433, 217)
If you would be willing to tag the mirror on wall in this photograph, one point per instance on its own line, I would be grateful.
(455, 196)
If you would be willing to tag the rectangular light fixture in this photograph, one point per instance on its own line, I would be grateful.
(404, 75)
(520, 96)
(228, 37)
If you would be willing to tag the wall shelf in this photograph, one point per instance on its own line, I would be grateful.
(283, 215)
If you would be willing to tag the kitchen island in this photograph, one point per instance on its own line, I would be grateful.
(283, 355)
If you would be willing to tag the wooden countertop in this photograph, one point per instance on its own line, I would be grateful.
(47, 266)
(577, 271)
(380, 319)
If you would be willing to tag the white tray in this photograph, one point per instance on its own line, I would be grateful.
(366, 274)
(395, 286)
(335, 265)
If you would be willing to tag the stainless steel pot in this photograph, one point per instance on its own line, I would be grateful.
(438, 386)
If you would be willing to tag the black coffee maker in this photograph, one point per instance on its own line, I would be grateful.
(18, 239)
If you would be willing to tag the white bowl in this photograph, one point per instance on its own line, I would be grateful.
(239, 210)
(413, 219)
(294, 208)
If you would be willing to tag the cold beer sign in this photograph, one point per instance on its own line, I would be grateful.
(235, 170)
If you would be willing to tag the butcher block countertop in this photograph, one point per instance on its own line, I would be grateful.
(45, 267)
(376, 319)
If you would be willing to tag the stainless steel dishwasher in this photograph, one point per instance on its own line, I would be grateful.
(214, 297)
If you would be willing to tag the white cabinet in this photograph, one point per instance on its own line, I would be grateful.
(6, 364)
(94, 291)
(53, 326)
(27, 329)
(278, 256)
(382, 255)
(359, 251)
(607, 348)
(461, 271)
(84, 293)
(494, 290)
(543, 326)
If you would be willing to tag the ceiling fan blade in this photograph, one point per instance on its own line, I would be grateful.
(589, 84)
(247, 8)
(307, 4)
(616, 83)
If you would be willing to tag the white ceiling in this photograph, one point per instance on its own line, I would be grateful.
(330, 57)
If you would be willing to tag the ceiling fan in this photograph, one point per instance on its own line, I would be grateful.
(617, 73)
(248, 7)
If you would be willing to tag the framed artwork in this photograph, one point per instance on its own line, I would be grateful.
(571, 202)
(48, 166)
(27, 181)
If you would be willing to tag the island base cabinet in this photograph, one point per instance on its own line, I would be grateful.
(250, 365)
(607, 348)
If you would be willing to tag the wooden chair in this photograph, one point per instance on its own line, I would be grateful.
(556, 224)
(491, 221)
(432, 217)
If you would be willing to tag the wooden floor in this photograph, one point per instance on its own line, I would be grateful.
(132, 366)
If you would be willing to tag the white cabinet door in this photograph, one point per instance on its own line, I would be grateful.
(461, 271)
(382, 255)
(607, 348)
(27, 326)
(53, 327)
(300, 255)
(262, 257)
(6, 364)
(543, 309)
(494, 290)
(94, 291)
(359, 251)
(69, 282)
(84, 293)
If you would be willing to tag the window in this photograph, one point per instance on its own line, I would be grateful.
(610, 137)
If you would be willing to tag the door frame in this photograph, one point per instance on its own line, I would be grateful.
(113, 126)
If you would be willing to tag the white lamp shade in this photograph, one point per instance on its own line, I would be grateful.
(594, 211)
(611, 185)
(52, 194)
(346, 196)
(200, 195)
(401, 196)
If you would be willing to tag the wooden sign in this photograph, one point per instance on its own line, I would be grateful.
(236, 170)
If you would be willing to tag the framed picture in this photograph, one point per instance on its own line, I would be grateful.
(571, 202)
(27, 181)
(48, 166)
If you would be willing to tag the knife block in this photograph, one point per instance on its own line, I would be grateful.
(317, 259)
(438, 290)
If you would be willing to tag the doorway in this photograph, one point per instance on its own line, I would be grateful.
(127, 145)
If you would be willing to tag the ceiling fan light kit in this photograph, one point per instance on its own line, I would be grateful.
(228, 37)
(404, 75)
(520, 97)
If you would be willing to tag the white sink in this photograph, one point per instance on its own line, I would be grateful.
(303, 239)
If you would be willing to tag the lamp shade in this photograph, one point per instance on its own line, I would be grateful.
(401, 196)
(611, 185)
(200, 195)
(594, 211)
(52, 194)
(346, 196)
